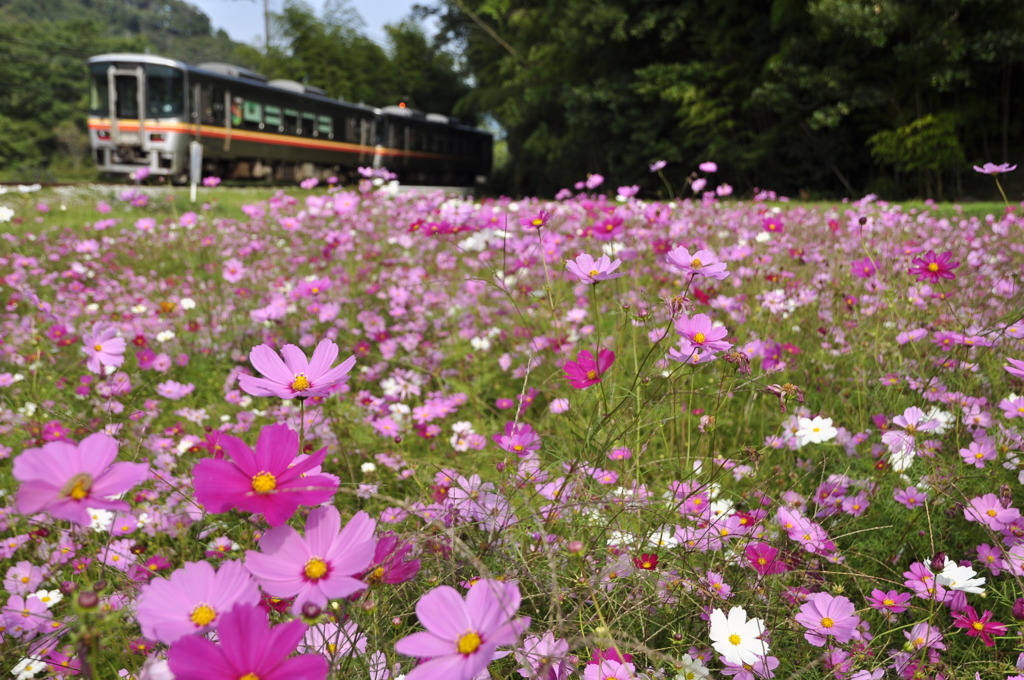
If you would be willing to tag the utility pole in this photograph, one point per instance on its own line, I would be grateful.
(266, 26)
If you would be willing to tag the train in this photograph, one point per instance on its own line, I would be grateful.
(146, 110)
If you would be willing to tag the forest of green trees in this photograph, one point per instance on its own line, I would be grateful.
(807, 97)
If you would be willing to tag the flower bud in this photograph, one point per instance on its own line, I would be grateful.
(311, 611)
(1018, 609)
(88, 600)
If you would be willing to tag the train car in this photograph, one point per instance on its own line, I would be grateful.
(144, 111)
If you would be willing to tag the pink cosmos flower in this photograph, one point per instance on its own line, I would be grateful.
(295, 376)
(825, 616)
(934, 267)
(269, 480)
(702, 263)
(889, 600)
(104, 348)
(248, 648)
(699, 340)
(989, 511)
(1015, 367)
(590, 271)
(65, 479)
(979, 626)
(462, 636)
(193, 599)
(585, 371)
(993, 169)
(320, 567)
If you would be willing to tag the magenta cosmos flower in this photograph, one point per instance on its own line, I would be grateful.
(65, 479)
(320, 567)
(461, 636)
(590, 271)
(518, 438)
(269, 480)
(104, 348)
(933, 267)
(828, 616)
(979, 626)
(585, 371)
(248, 649)
(295, 376)
(193, 599)
(701, 263)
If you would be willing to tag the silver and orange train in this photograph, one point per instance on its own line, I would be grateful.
(145, 110)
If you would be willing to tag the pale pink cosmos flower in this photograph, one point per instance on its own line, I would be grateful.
(701, 263)
(590, 271)
(296, 376)
(462, 635)
(1015, 367)
(993, 169)
(104, 348)
(319, 567)
(826, 616)
(193, 599)
(66, 479)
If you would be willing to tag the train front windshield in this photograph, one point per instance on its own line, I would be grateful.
(163, 94)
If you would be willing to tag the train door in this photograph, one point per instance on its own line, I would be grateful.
(126, 92)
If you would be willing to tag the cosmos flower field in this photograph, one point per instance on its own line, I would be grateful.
(344, 433)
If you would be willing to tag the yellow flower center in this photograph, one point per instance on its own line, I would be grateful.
(827, 622)
(98, 347)
(978, 625)
(202, 615)
(517, 447)
(591, 374)
(888, 602)
(315, 569)
(375, 576)
(250, 676)
(300, 383)
(695, 263)
(735, 639)
(699, 337)
(933, 266)
(264, 482)
(594, 272)
(78, 486)
(991, 513)
(468, 643)
(762, 561)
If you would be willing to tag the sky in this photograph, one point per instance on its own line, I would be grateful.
(243, 19)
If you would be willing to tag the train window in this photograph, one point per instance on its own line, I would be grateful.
(213, 105)
(308, 124)
(252, 112)
(324, 125)
(166, 91)
(350, 128)
(272, 115)
(99, 90)
(291, 121)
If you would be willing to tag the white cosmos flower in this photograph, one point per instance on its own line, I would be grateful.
(692, 669)
(736, 638)
(814, 431)
(955, 577)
